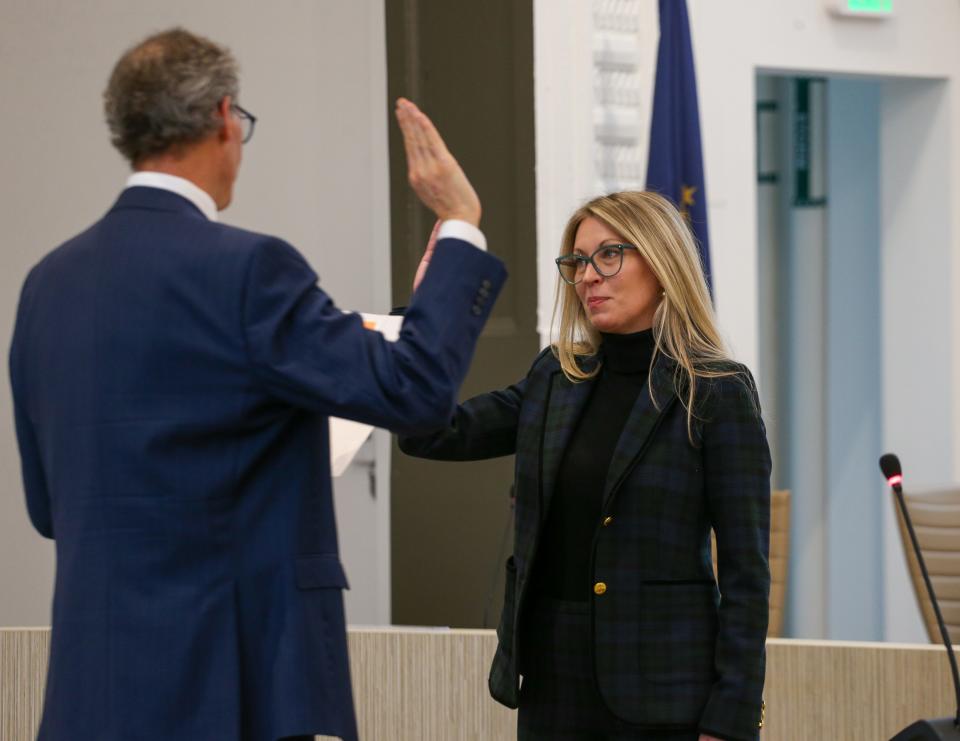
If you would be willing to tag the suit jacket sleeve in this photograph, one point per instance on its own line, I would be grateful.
(309, 353)
(737, 478)
(34, 482)
(31, 465)
(482, 427)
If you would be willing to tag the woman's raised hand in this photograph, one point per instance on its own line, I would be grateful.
(427, 254)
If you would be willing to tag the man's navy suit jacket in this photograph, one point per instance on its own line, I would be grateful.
(172, 379)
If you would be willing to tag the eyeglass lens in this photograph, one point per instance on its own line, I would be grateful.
(606, 261)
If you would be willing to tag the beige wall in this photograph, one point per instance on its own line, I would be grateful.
(315, 173)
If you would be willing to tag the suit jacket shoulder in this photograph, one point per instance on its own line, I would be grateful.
(734, 389)
(546, 362)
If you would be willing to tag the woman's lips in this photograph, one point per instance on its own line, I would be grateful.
(595, 301)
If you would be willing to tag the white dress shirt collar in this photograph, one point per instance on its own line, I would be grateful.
(182, 187)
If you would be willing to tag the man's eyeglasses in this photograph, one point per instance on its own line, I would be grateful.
(607, 261)
(247, 121)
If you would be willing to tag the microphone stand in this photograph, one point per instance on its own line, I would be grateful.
(939, 729)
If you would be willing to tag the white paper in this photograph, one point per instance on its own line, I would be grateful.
(347, 436)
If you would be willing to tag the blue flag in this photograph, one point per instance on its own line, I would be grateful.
(675, 165)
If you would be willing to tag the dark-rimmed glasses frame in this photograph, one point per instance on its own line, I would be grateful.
(248, 121)
(576, 265)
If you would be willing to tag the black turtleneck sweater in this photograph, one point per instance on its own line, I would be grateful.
(563, 558)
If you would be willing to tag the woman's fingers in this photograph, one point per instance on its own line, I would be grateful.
(427, 254)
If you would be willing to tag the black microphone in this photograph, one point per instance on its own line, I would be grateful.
(939, 729)
(890, 466)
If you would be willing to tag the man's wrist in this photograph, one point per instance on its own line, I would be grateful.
(459, 229)
(470, 217)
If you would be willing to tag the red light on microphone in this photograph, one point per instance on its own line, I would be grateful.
(895, 480)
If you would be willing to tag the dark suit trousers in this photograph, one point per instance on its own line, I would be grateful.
(559, 700)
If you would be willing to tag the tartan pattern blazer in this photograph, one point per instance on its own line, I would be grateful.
(669, 650)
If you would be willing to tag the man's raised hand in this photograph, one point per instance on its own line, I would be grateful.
(435, 176)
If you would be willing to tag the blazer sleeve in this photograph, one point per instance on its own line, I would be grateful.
(31, 468)
(737, 467)
(307, 352)
(484, 426)
(31, 464)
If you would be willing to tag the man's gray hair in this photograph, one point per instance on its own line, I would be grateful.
(164, 93)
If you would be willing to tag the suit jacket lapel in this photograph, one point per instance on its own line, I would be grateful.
(643, 420)
(565, 402)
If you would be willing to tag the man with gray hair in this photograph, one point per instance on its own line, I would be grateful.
(172, 381)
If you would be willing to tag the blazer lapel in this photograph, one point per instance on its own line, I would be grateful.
(642, 422)
(565, 402)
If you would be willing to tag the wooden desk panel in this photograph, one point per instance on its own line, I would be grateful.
(851, 691)
(426, 685)
(23, 669)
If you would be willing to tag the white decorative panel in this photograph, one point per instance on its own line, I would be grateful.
(617, 88)
(617, 15)
(624, 51)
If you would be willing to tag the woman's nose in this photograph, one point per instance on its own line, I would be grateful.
(590, 274)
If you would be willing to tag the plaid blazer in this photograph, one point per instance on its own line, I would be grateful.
(668, 650)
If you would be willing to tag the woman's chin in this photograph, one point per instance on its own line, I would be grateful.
(611, 326)
(605, 324)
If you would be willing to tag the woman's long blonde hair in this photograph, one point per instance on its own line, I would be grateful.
(684, 323)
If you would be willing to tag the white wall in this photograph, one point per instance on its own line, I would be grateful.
(732, 42)
(563, 111)
(315, 173)
(919, 42)
(918, 318)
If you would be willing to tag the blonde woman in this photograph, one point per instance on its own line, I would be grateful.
(635, 434)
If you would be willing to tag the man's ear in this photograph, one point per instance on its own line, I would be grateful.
(224, 113)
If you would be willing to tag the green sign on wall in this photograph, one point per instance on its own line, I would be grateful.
(880, 7)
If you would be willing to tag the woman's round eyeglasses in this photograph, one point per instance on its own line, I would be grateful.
(606, 260)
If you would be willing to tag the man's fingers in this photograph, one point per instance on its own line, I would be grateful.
(407, 128)
(403, 119)
(435, 175)
(428, 139)
(414, 126)
(421, 160)
(424, 137)
(432, 136)
(416, 156)
(411, 128)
